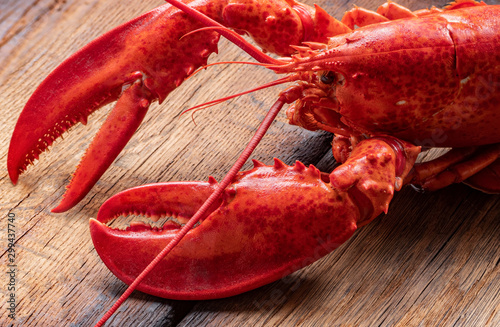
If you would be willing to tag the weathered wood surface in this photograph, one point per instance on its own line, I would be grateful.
(433, 260)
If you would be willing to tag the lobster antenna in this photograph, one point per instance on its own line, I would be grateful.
(227, 33)
(227, 62)
(209, 104)
(201, 213)
(212, 103)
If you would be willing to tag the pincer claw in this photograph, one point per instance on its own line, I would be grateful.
(126, 65)
(241, 244)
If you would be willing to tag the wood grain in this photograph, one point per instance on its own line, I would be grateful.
(433, 260)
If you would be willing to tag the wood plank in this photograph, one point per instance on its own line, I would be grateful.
(433, 260)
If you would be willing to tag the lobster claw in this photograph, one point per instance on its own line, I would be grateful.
(135, 63)
(142, 61)
(241, 244)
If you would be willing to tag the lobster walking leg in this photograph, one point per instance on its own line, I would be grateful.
(388, 11)
(486, 180)
(362, 17)
(458, 165)
(393, 11)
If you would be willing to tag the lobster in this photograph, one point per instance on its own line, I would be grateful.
(370, 87)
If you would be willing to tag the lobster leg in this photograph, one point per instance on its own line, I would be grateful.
(487, 179)
(460, 165)
(242, 244)
(388, 11)
(392, 11)
(362, 17)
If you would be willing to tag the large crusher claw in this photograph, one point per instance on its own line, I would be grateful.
(270, 222)
(242, 243)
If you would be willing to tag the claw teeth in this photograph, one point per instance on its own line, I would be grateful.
(155, 218)
(83, 119)
(43, 144)
(169, 225)
(158, 221)
(137, 226)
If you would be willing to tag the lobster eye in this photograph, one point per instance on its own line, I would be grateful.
(328, 77)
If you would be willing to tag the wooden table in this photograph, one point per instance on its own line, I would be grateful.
(433, 260)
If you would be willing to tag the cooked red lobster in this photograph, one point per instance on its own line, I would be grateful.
(401, 77)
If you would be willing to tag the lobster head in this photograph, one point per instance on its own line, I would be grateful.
(392, 79)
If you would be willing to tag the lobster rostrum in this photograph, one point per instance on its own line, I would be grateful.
(401, 77)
